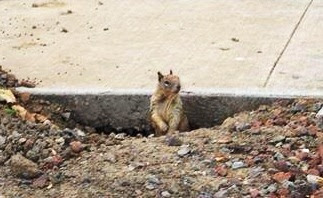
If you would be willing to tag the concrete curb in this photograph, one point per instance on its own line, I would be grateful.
(128, 108)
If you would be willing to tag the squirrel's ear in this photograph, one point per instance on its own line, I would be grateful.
(160, 76)
(170, 72)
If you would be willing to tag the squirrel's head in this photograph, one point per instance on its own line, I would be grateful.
(169, 83)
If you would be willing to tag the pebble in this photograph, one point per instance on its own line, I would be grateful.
(2, 140)
(66, 115)
(165, 194)
(237, 165)
(80, 133)
(76, 146)
(47, 122)
(272, 188)
(313, 179)
(173, 141)
(150, 186)
(278, 156)
(221, 194)
(256, 171)
(120, 136)
(60, 140)
(277, 139)
(22, 140)
(23, 167)
(184, 150)
(153, 179)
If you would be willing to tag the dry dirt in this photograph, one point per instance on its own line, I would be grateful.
(269, 152)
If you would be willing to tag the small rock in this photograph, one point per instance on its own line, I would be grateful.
(150, 186)
(272, 188)
(66, 115)
(165, 194)
(41, 181)
(255, 171)
(254, 193)
(80, 133)
(313, 179)
(281, 176)
(283, 192)
(277, 139)
(23, 167)
(120, 136)
(173, 141)
(297, 108)
(278, 156)
(313, 171)
(60, 140)
(110, 158)
(184, 151)
(288, 184)
(224, 140)
(2, 140)
(221, 170)
(242, 126)
(24, 97)
(76, 146)
(293, 159)
(22, 140)
(153, 179)
(237, 165)
(47, 122)
(221, 194)
(282, 165)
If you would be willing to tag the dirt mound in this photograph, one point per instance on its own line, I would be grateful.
(274, 151)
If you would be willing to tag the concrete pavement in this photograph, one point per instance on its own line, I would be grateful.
(227, 48)
(113, 44)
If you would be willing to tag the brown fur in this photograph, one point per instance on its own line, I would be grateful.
(166, 108)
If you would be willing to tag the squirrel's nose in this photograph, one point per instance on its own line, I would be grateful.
(178, 87)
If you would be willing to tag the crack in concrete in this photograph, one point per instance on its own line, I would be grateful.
(287, 43)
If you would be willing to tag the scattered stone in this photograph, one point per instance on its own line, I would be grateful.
(313, 179)
(224, 140)
(281, 176)
(41, 181)
(120, 136)
(221, 194)
(278, 156)
(184, 150)
(2, 140)
(272, 188)
(254, 193)
(165, 194)
(277, 139)
(242, 126)
(22, 167)
(76, 146)
(237, 165)
(66, 115)
(173, 141)
(221, 170)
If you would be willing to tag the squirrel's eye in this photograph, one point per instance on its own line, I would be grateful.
(167, 83)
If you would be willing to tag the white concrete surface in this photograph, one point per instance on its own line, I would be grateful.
(194, 38)
(301, 66)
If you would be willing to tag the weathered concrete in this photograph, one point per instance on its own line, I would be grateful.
(129, 108)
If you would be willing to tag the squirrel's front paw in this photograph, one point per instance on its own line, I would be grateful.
(163, 127)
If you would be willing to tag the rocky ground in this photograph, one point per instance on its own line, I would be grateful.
(274, 151)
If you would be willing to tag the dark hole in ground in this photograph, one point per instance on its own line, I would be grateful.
(133, 131)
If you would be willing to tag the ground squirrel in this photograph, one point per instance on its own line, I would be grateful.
(166, 108)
